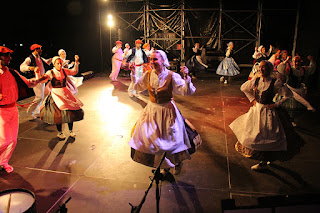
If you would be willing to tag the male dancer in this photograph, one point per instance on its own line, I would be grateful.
(139, 57)
(12, 87)
(29, 64)
(116, 60)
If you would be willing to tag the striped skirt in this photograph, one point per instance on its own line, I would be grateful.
(51, 114)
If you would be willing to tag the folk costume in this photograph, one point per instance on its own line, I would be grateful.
(13, 87)
(61, 105)
(161, 127)
(39, 90)
(228, 67)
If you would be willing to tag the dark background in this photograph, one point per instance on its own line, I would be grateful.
(74, 26)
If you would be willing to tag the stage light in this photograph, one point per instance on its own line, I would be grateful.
(110, 23)
(110, 17)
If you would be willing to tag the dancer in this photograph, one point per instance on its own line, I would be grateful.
(160, 127)
(195, 63)
(139, 57)
(228, 67)
(72, 82)
(148, 51)
(65, 63)
(12, 87)
(259, 55)
(61, 106)
(260, 131)
(116, 61)
(124, 63)
(295, 82)
(28, 66)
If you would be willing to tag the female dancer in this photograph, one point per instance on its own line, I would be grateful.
(61, 106)
(160, 127)
(228, 67)
(259, 131)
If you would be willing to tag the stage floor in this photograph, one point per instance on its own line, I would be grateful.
(96, 170)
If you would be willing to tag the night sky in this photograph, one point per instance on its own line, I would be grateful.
(74, 26)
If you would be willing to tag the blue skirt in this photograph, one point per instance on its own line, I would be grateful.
(228, 67)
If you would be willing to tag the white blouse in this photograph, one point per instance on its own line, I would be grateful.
(180, 86)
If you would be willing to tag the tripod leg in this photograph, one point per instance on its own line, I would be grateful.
(158, 195)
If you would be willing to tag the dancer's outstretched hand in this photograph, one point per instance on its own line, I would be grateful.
(76, 58)
(184, 70)
(132, 67)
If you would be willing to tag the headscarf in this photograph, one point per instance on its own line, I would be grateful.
(230, 43)
(260, 48)
(60, 51)
(54, 59)
(164, 57)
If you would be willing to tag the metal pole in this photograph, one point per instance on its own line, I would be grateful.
(259, 18)
(220, 22)
(110, 43)
(182, 31)
(101, 58)
(296, 30)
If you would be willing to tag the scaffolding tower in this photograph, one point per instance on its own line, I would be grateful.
(172, 26)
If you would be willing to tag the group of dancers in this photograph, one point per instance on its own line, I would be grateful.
(161, 128)
(60, 105)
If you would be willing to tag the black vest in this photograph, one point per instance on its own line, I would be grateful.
(267, 95)
(30, 74)
(23, 89)
(144, 56)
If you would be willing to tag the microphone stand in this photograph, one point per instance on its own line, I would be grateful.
(63, 208)
(156, 177)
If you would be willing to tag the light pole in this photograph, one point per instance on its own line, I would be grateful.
(110, 24)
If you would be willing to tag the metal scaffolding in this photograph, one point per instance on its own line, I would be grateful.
(172, 26)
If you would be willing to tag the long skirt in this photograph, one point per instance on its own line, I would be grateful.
(51, 114)
(294, 143)
(160, 128)
(260, 129)
(228, 67)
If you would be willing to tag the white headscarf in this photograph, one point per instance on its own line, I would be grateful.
(54, 59)
(260, 48)
(230, 43)
(60, 51)
(164, 57)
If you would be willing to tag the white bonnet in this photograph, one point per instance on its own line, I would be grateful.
(260, 48)
(164, 57)
(55, 58)
(60, 51)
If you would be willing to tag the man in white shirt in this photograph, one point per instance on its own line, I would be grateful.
(139, 57)
(28, 67)
(116, 60)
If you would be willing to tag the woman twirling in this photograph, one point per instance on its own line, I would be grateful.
(228, 67)
(160, 127)
(61, 106)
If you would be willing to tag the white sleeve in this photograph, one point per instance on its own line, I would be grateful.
(49, 74)
(24, 67)
(182, 86)
(256, 55)
(114, 49)
(142, 83)
(128, 53)
(247, 89)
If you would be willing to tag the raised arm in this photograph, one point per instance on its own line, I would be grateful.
(75, 69)
(183, 86)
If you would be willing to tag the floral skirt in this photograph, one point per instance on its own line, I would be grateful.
(51, 114)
